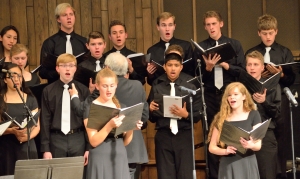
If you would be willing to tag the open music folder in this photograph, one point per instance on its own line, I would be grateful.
(99, 115)
(225, 50)
(255, 86)
(231, 134)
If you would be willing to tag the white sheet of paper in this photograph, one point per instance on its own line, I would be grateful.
(169, 101)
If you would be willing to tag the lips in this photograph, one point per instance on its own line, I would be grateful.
(67, 74)
(167, 33)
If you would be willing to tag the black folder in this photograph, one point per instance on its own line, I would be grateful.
(99, 115)
(195, 81)
(231, 134)
(139, 62)
(83, 75)
(49, 60)
(225, 50)
(255, 86)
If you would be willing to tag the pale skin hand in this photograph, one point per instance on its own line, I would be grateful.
(73, 91)
(270, 70)
(86, 157)
(247, 144)
(211, 61)
(230, 150)
(259, 98)
(151, 69)
(153, 106)
(47, 155)
(92, 86)
(130, 68)
(21, 134)
(139, 125)
(116, 121)
(178, 111)
(224, 65)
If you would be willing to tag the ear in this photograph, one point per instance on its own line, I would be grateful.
(126, 35)
(221, 24)
(109, 36)
(258, 33)
(57, 69)
(87, 46)
(164, 66)
(58, 20)
(0, 38)
(104, 44)
(157, 26)
(174, 26)
(276, 31)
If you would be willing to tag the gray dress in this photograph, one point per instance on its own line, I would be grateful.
(241, 165)
(109, 159)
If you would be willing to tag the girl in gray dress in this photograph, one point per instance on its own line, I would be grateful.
(108, 158)
(238, 108)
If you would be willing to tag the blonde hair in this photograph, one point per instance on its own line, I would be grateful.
(176, 48)
(266, 22)
(255, 54)
(209, 14)
(17, 49)
(65, 58)
(108, 73)
(61, 8)
(225, 109)
(164, 16)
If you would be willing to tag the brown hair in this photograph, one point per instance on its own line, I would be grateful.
(255, 54)
(174, 49)
(106, 73)
(209, 14)
(95, 35)
(65, 58)
(164, 16)
(225, 109)
(114, 23)
(266, 22)
(17, 49)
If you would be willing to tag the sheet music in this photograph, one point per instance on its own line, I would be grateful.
(169, 101)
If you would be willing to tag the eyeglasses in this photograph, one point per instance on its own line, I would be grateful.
(15, 76)
(65, 66)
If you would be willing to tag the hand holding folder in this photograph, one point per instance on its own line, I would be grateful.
(100, 115)
(231, 134)
(225, 50)
(255, 86)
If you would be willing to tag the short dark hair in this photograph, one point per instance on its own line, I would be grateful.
(116, 22)
(173, 56)
(95, 35)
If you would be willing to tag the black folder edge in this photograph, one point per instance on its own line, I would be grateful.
(230, 52)
(83, 75)
(31, 124)
(49, 60)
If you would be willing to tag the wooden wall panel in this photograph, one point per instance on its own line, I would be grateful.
(5, 14)
(77, 7)
(52, 22)
(18, 16)
(41, 24)
(86, 18)
(129, 11)
(31, 38)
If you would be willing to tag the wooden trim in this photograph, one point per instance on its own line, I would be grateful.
(264, 6)
(160, 6)
(229, 17)
(194, 21)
